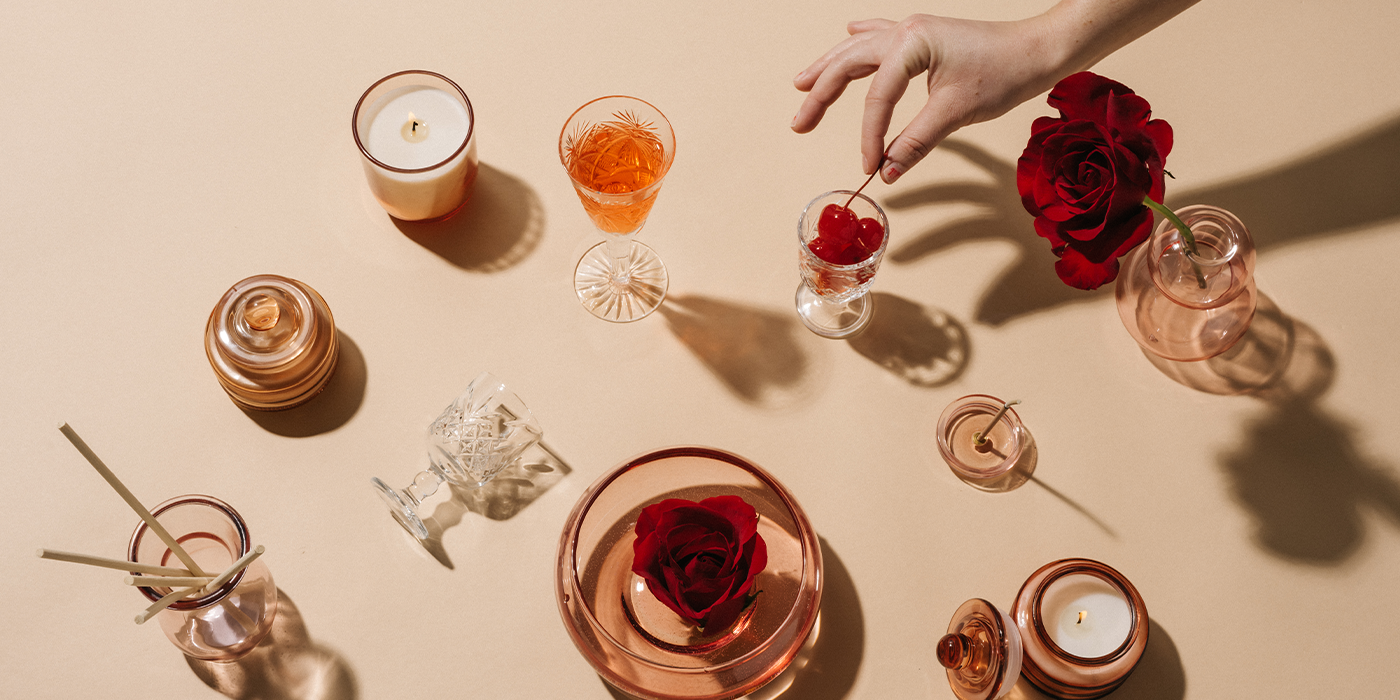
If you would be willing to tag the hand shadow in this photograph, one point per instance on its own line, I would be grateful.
(287, 665)
(1159, 674)
(826, 667)
(499, 227)
(921, 345)
(1030, 285)
(1343, 187)
(756, 353)
(332, 408)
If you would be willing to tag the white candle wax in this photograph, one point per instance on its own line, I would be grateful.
(1086, 615)
(419, 122)
(416, 127)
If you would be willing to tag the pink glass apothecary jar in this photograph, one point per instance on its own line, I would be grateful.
(229, 622)
(272, 343)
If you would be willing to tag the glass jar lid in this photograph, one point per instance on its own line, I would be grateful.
(982, 652)
(271, 341)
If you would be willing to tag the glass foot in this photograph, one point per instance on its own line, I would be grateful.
(620, 289)
(829, 319)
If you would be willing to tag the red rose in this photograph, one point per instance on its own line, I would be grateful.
(700, 559)
(1084, 175)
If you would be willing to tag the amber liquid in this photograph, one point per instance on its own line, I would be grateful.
(616, 158)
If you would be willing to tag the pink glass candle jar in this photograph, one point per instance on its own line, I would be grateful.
(230, 621)
(1187, 306)
(982, 652)
(417, 138)
(980, 456)
(272, 343)
(1083, 627)
(633, 641)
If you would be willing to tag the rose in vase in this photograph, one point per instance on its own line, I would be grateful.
(1092, 176)
(700, 558)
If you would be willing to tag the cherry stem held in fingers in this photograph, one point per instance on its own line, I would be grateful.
(883, 157)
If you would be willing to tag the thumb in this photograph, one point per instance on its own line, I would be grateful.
(935, 122)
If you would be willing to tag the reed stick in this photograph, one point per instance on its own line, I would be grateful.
(167, 581)
(118, 564)
(130, 499)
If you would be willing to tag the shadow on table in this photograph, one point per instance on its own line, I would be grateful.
(332, 408)
(499, 227)
(919, 344)
(756, 353)
(826, 668)
(1296, 470)
(502, 498)
(1159, 674)
(1299, 472)
(287, 665)
(1343, 187)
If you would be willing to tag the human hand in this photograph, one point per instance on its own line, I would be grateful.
(976, 71)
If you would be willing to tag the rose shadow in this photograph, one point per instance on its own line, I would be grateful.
(332, 408)
(756, 353)
(826, 667)
(498, 227)
(287, 665)
(921, 345)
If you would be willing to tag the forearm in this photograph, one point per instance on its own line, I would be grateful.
(1080, 33)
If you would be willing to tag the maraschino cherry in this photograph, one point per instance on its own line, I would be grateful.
(842, 237)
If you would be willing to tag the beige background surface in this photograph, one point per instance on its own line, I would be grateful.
(155, 153)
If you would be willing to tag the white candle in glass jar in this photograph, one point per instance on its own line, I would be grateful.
(1086, 615)
(416, 126)
(415, 131)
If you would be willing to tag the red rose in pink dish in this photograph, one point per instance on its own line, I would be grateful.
(700, 559)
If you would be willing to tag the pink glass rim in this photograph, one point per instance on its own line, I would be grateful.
(1166, 235)
(355, 120)
(670, 156)
(244, 546)
(569, 544)
(959, 407)
(1066, 567)
(816, 261)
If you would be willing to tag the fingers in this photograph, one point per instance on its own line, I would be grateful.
(826, 79)
(853, 59)
(886, 89)
(930, 126)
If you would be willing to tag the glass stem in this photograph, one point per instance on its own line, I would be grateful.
(619, 248)
(1187, 238)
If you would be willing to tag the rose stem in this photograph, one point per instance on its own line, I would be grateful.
(1186, 237)
(978, 436)
(883, 156)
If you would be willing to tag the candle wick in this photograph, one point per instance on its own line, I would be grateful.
(980, 437)
(1082, 614)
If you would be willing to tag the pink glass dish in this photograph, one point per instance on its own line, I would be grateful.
(229, 622)
(632, 640)
(1058, 672)
(1008, 445)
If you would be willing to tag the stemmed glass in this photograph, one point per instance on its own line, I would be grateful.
(617, 150)
(831, 299)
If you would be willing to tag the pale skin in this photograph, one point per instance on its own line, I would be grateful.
(976, 70)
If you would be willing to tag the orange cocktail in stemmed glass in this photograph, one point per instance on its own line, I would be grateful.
(617, 150)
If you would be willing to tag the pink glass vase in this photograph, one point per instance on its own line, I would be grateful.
(229, 622)
(1186, 306)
